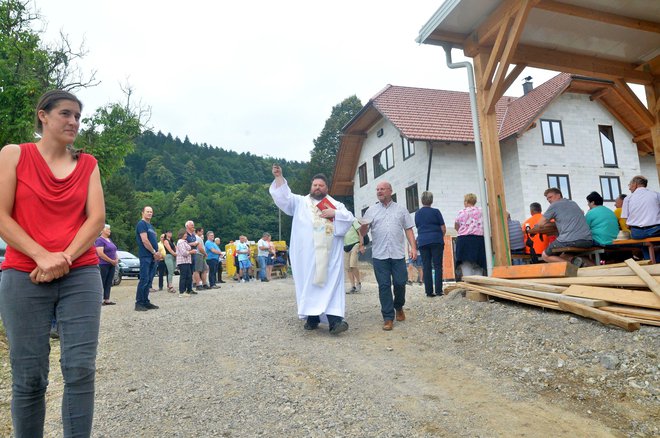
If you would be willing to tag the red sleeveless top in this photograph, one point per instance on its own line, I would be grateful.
(51, 210)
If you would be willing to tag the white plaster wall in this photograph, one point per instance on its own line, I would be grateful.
(648, 169)
(402, 175)
(580, 157)
(513, 186)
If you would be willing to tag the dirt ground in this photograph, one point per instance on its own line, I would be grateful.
(422, 379)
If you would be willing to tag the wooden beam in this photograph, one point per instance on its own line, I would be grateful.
(645, 276)
(492, 168)
(631, 100)
(544, 270)
(495, 54)
(478, 279)
(512, 76)
(600, 93)
(603, 271)
(514, 34)
(596, 15)
(489, 27)
(551, 296)
(628, 297)
(439, 37)
(586, 65)
(489, 291)
(600, 315)
(653, 102)
(641, 137)
(623, 281)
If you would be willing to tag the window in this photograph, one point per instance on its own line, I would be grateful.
(394, 197)
(607, 145)
(412, 200)
(408, 148)
(610, 187)
(362, 172)
(364, 210)
(560, 182)
(383, 161)
(379, 133)
(551, 130)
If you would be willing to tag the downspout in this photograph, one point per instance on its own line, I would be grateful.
(428, 171)
(479, 154)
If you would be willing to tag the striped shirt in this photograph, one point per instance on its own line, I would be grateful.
(388, 224)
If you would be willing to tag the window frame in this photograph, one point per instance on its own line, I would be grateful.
(407, 148)
(362, 174)
(609, 179)
(610, 137)
(558, 186)
(377, 161)
(552, 132)
(412, 198)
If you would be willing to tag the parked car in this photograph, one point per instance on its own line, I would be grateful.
(129, 265)
(116, 280)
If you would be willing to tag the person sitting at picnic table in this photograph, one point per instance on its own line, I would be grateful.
(641, 209)
(618, 203)
(516, 238)
(571, 225)
(537, 242)
(601, 220)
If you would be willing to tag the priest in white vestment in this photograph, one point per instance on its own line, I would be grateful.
(316, 250)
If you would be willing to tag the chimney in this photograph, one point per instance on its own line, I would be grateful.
(528, 85)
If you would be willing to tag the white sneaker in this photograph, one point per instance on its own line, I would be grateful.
(242, 280)
(358, 288)
(184, 295)
(351, 290)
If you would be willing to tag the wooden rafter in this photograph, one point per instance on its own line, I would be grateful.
(490, 26)
(641, 137)
(495, 55)
(586, 65)
(593, 14)
(631, 100)
(513, 74)
(505, 60)
(600, 93)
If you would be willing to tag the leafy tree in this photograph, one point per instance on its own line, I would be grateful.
(326, 146)
(110, 135)
(28, 68)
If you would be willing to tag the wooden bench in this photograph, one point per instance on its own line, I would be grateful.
(651, 242)
(595, 251)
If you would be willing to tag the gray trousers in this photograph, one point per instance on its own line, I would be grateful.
(27, 311)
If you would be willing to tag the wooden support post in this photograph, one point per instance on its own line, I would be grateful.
(645, 276)
(653, 102)
(492, 166)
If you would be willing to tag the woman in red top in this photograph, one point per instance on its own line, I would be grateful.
(51, 211)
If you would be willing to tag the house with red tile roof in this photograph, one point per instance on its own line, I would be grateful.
(576, 133)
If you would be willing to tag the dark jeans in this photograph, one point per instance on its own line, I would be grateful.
(391, 275)
(27, 312)
(107, 275)
(219, 272)
(639, 233)
(162, 272)
(213, 270)
(432, 260)
(185, 277)
(147, 272)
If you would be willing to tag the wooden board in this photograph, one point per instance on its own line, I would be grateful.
(448, 272)
(641, 273)
(509, 296)
(623, 281)
(601, 271)
(479, 279)
(622, 296)
(613, 265)
(634, 312)
(552, 296)
(600, 315)
(539, 270)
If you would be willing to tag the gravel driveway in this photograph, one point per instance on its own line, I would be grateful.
(235, 362)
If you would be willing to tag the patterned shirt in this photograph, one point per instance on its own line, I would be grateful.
(388, 225)
(470, 222)
(183, 252)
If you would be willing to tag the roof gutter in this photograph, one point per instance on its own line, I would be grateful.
(479, 153)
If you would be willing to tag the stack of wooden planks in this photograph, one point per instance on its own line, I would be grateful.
(625, 295)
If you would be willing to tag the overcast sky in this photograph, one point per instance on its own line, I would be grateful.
(258, 76)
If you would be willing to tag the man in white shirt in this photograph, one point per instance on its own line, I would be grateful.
(641, 209)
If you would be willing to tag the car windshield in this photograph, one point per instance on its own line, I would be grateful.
(125, 255)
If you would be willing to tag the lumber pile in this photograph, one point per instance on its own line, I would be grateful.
(624, 295)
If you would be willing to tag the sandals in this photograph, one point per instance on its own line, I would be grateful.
(108, 303)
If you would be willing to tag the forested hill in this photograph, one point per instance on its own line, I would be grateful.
(161, 162)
